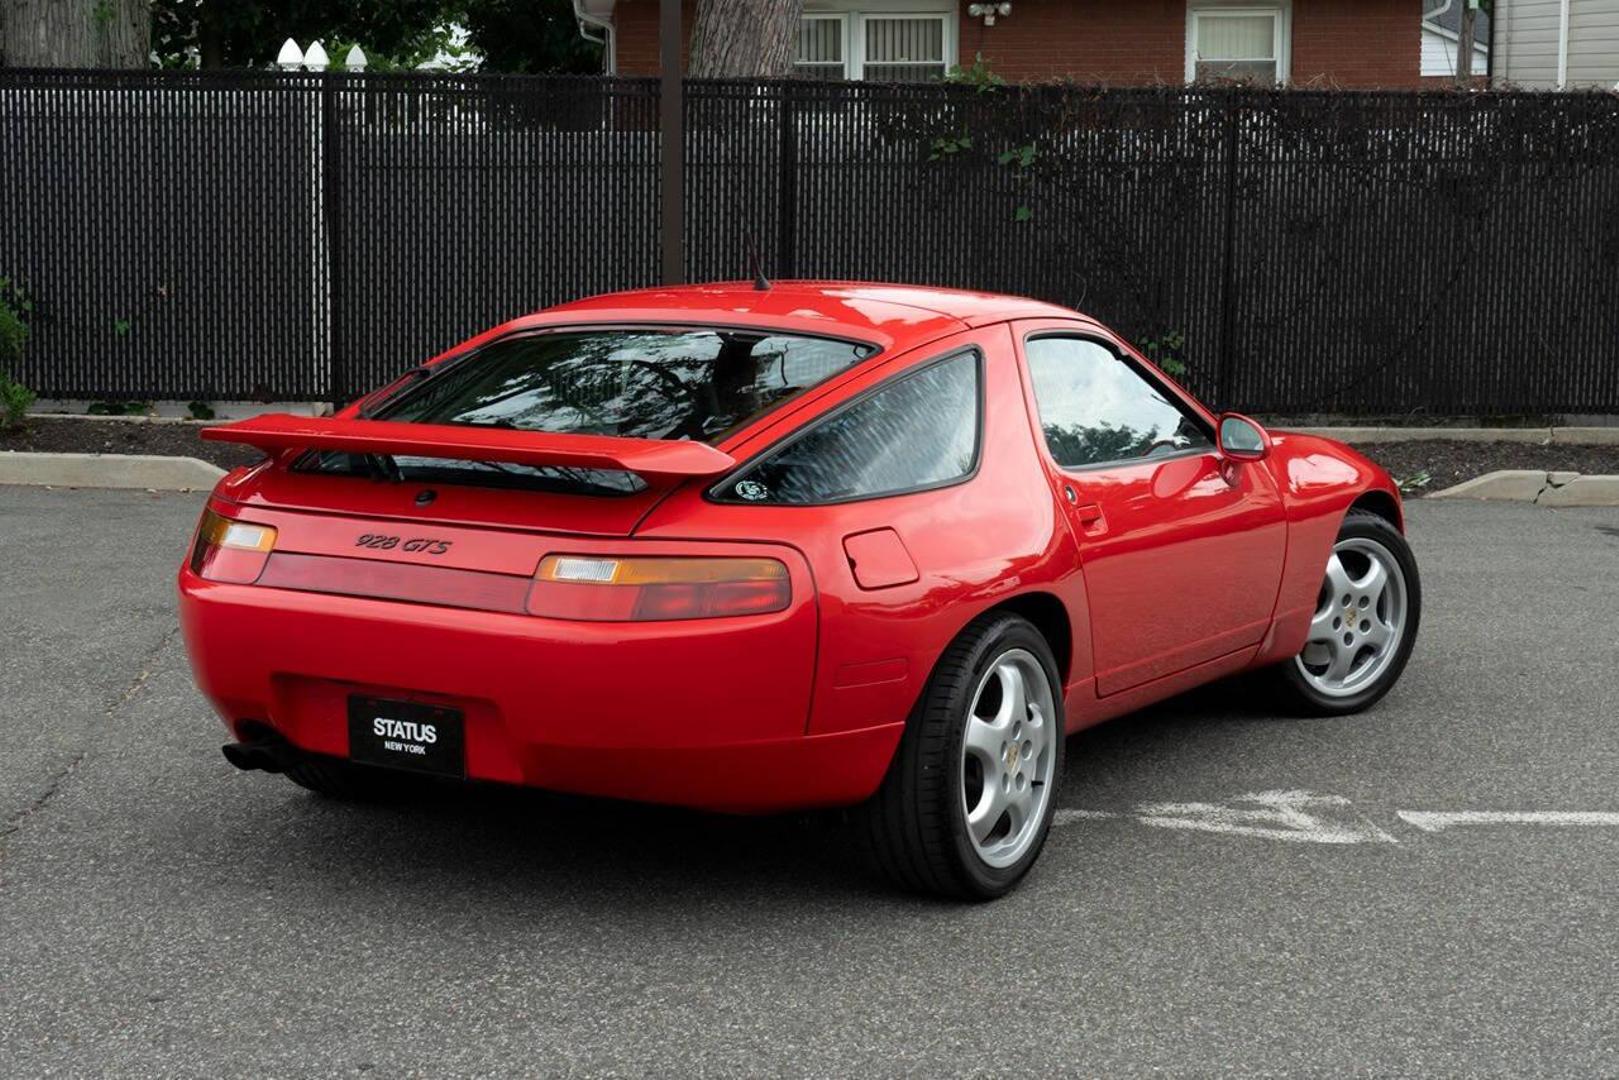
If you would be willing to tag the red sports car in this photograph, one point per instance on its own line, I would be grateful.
(758, 548)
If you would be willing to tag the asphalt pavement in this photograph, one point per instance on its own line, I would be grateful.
(1229, 892)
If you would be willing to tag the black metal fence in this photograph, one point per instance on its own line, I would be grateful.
(261, 235)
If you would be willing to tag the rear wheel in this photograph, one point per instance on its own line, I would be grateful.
(969, 796)
(1365, 622)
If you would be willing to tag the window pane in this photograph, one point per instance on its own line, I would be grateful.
(1094, 408)
(914, 433)
(820, 41)
(638, 383)
(904, 72)
(820, 72)
(1256, 71)
(1236, 37)
(902, 40)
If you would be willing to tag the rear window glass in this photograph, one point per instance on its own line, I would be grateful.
(695, 384)
(916, 432)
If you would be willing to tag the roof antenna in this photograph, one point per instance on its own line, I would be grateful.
(760, 282)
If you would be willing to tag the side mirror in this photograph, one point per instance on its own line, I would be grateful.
(1241, 439)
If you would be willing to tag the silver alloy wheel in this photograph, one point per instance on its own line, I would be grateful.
(1359, 620)
(1008, 756)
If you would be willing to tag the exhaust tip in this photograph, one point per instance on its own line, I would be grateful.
(253, 756)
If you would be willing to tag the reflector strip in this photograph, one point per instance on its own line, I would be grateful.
(439, 585)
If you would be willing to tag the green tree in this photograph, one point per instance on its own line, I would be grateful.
(249, 33)
(511, 35)
(538, 37)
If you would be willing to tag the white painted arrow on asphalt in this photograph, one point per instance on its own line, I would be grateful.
(1311, 818)
(1299, 816)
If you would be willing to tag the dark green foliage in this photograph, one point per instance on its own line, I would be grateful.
(119, 408)
(15, 308)
(1167, 350)
(537, 37)
(249, 33)
(534, 36)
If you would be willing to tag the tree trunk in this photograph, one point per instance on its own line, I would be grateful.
(75, 33)
(1464, 45)
(744, 38)
(210, 38)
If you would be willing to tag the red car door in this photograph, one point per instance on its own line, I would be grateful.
(1181, 548)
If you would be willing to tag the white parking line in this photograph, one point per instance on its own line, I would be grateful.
(1438, 820)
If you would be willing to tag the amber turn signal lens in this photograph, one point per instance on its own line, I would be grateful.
(608, 589)
(231, 551)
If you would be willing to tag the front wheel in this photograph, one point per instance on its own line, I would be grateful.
(969, 796)
(1365, 622)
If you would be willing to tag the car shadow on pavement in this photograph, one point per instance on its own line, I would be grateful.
(487, 841)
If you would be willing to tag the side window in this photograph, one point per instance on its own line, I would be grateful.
(918, 431)
(1095, 408)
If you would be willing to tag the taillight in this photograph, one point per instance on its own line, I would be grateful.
(607, 589)
(233, 551)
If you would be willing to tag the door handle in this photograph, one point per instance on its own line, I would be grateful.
(1088, 514)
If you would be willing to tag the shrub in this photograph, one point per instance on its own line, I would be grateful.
(15, 400)
(13, 331)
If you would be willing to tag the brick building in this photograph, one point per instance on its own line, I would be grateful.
(1328, 43)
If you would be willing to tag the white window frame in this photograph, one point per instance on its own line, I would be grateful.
(843, 20)
(1282, 42)
(854, 14)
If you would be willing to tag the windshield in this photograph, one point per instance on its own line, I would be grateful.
(633, 383)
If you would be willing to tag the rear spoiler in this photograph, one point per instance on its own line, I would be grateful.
(274, 432)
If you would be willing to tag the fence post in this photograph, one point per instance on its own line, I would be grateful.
(787, 211)
(671, 121)
(329, 218)
(1228, 299)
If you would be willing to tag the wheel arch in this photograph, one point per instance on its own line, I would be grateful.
(1050, 616)
(1382, 503)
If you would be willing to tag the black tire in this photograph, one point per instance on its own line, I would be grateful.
(914, 829)
(1296, 694)
(337, 779)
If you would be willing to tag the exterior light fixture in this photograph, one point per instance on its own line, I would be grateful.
(989, 12)
(315, 59)
(291, 57)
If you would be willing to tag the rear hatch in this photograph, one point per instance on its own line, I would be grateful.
(569, 430)
(566, 432)
(478, 477)
(460, 516)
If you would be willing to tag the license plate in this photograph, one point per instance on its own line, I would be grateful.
(406, 735)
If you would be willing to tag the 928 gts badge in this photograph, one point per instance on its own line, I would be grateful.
(422, 545)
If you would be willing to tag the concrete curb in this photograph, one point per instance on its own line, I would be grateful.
(1569, 436)
(149, 472)
(1539, 487)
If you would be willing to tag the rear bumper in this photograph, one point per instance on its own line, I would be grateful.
(707, 713)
